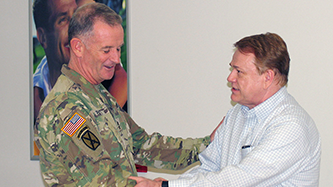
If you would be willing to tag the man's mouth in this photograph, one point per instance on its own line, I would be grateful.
(109, 67)
(234, 89)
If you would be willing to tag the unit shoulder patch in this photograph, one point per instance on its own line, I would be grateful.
(90, 140)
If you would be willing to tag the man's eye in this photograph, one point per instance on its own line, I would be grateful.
(62, 19)
(106, 51)
(232, 69)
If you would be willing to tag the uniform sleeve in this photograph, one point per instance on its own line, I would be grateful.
(53, 171)
(64, 162)
(164, 152)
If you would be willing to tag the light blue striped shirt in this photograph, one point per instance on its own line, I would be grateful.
(274, 144)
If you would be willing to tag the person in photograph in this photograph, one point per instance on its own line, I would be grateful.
(267, 138)
(85, 138)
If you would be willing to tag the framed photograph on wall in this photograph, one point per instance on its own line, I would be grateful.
(50, 50)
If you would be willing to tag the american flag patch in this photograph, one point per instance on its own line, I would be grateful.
(73, 124)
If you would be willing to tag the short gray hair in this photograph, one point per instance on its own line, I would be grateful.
(83, 19)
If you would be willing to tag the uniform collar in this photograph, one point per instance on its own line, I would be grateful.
(78, 79)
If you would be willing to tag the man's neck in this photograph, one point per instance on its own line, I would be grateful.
(74, 64)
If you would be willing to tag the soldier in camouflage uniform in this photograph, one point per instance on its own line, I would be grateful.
(84, 137)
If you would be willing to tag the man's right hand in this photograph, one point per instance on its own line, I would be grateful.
(144, 182)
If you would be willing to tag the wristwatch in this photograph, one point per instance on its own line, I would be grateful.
(165, 184)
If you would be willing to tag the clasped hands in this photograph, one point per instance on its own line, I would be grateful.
(144, 182)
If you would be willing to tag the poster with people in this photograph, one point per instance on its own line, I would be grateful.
(50, 50)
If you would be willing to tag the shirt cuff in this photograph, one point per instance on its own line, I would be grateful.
(165, 184)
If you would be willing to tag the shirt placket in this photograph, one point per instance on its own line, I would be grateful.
(250, 122)
(246, 139)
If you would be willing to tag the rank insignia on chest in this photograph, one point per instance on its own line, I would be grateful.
(90, 140)
(74, 123)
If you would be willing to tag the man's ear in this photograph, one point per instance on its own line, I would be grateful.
(77, 46)
(269, 77)
(41, 36)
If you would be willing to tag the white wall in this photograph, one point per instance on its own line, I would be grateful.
(180, 51)
(16, 169)
(179, 57)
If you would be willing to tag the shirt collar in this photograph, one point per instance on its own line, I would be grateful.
(265, 108)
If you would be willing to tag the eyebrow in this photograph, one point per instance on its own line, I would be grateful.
(61, 14)
(57, 16)
(108, 47)
(233, 65)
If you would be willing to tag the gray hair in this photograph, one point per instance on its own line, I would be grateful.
(83, 19)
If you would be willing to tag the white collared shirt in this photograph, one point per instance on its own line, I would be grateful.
(274, 144)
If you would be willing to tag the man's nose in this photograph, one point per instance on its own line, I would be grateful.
(231, 77)
(115, 56)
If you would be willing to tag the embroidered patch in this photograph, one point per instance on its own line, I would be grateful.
(73, 124)
(81, 131)
(90, 140)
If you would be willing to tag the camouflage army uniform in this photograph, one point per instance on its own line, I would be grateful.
(86, 139)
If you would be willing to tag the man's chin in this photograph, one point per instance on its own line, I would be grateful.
(109, 77)
(234, 98)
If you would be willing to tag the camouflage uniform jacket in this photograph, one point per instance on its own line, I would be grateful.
(86, 139)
